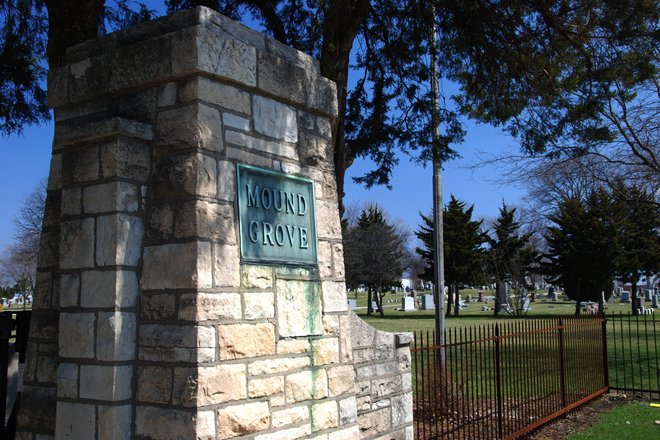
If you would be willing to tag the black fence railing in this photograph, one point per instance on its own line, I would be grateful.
(632, 344)
(503, 380)
(14, 329)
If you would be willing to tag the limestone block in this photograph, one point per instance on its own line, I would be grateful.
(38, 408)
(202, 219)
(345, 434)
(292, 433)
(177, 266)
(103, 382)
(46, 371)
(49, 250)
(47, 288)
(222, 383)
(334, 296)
(140, 62)
(410, 432)
(281, 365)
(325, 259)
(226, 181)
(58, 82)
(167, 94)
(306, 385)
(323, 96)
(81, 109)
(299, 308)
(223, 95)
(345, 342)
(274, 119)
(159, 423)
(69, 290)
(160, 220)
(338, 260)
(283, 78)
(226, 264)
(327, 220)
(259, 305)
(126, 158)
(290, 416)
(76, 335)
(375, 421)
(347, 411)
(243, 419)
(385, 386)
(237, 122)
(315, 150)
(210, 50)
(238, 341)
(115, 422)
(118, 240)
(206, 425)
(140, 105)
(75, 421)
(108, 197)
(154, 384)
(266, 386)
(293, 346)
(384, 346)
(176, 343)
(341, 380)
(158, 307)
(325, 415)
(116, 333)
(77, 243)
(209, 306)
(331, 324)
(192, 126)
(67, 380)
(260, 145)
(325, 351)
(256, 277)
(108, 289)
(71, 201)
(80, 165)
(185, 175)
(402, 409)
(76, 133)
(239, 155)
(324, 127)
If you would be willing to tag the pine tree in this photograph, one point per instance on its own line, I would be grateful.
(510, 256)
(463, 253)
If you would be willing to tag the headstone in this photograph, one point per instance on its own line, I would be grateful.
(625, 296)
(552, 293)
(427, 302)
(654, 301)
(407, 304)
(352, 304)
(648, 295)
(525, 305)
(639, 304)
(374, 305)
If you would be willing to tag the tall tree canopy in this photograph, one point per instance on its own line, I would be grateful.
(463, 252)
(550, 72)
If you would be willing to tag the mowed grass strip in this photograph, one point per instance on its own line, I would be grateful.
(631, 421)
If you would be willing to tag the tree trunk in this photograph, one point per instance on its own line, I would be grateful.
(369, 308)
(70, 22)
(578, 307)
(633, 297)
(450, 300)
(380, 303)
(457, 301)
(342, 23)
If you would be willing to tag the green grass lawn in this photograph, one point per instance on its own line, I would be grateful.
(630, 421)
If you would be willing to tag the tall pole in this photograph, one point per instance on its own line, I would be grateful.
(438, 241)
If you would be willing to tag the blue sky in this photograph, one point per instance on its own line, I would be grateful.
(26, 159)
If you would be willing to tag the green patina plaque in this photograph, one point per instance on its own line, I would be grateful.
(277, 217)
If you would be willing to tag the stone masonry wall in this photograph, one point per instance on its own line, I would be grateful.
(147, 323)
(383, 381)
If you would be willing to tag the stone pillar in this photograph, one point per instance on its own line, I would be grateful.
(149, 323)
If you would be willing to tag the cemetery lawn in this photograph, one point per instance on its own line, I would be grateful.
(636, 420)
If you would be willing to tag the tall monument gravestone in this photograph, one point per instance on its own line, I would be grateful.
(191, 277)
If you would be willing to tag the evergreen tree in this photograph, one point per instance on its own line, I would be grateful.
(511, 257)
(463, 253)
(374, 253)
(582, 247)
(638, 235)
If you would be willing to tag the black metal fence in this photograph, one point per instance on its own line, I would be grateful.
(14, 329)
(633, 354)
(504, 380)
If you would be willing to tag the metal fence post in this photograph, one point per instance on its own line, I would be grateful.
(498, 382)
(606, 368)
(562, 370)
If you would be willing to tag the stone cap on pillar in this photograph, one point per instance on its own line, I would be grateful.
(192, 42)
